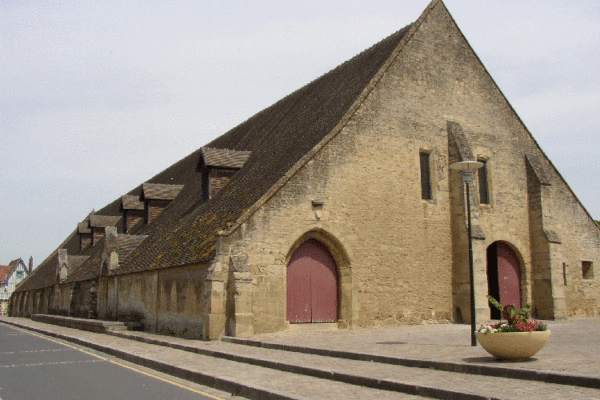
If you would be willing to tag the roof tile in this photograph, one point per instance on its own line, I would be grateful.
(160, 191)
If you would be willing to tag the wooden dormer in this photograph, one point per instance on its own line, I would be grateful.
(217, 167)
(156, 198)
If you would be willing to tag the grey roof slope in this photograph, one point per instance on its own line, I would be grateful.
(268, 145)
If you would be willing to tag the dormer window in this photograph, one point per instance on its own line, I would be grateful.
(98, 224)
(156, 198)
(85, 235)
(218, 166)
(133, 212)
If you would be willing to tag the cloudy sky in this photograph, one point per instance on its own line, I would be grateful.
(97, 97)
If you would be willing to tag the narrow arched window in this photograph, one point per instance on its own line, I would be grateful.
(425, 176)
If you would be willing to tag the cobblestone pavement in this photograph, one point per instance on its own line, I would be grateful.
(574, 350)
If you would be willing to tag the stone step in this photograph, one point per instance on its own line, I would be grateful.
(92, 325)
(240, 379)
(379, 375)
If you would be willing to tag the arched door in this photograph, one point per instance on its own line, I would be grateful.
(509, 276)
(504, 275)
(312, 285)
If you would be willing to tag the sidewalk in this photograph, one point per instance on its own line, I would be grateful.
(276, 365)
(573, 348)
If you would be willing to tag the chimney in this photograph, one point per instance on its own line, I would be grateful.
(30, 264)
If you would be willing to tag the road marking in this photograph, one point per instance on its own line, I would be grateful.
(33, 351)
(49, 363)
(65, 344)
(212, 396)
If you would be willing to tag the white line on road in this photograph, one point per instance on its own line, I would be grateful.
(49, 363)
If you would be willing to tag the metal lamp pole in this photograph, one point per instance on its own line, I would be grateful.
(466, 167)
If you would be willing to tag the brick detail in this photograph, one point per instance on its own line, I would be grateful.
(154, 208)
(218, 179)
(97, 235)
(131, 218)
(85, 241)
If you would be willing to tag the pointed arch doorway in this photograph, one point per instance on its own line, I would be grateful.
(504, 276)
(312, 284)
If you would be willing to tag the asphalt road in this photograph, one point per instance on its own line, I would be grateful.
(33, 367)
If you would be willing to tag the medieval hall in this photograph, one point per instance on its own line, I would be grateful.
(337, 205)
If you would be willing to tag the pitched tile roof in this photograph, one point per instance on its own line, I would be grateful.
(90, 268)
(224, 158)
(84, 227)
(74, 262)
(126, 244)
(131, 203)
(5, 270)
(267, 146)
(157, 191)
(102, 221)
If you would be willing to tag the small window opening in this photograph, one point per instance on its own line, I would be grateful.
(425, 176)
(564, 270)
(483, 183)
(587, 269)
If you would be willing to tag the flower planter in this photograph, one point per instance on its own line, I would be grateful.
(513, 345)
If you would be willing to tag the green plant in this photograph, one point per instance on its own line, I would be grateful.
(516, 319)
(510, 312)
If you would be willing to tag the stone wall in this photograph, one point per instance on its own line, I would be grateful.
(167, 301)
(181, 301)
(402, 259)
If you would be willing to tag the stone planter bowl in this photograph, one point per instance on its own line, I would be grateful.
(513, 345)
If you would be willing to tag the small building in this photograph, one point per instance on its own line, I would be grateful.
(337, 205)
(10, 276)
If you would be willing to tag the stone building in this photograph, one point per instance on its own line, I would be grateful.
(337, 205)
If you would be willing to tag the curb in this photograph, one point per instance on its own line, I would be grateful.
(233, 387)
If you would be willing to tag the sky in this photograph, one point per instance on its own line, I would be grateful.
(98, 97)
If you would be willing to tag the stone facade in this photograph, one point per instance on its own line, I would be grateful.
(400, 258)
(403, 259)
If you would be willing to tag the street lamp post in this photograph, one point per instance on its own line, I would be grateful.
(466, 167)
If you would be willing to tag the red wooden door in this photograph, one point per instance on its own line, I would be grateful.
(509, 276)
(312, 285)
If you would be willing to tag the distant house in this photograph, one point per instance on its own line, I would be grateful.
(337, 204)
(10, 276)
